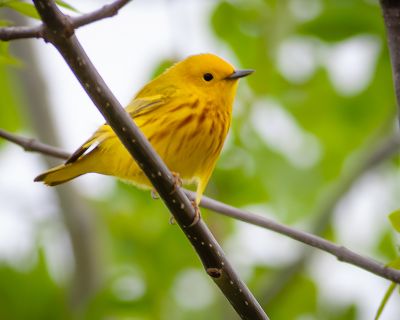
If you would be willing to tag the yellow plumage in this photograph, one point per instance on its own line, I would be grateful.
(185, 113)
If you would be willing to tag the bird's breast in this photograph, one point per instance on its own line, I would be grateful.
(192, 140)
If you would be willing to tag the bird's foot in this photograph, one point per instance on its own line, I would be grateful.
(197, 215)
(177, 181)
(177, 184)
(196, 219)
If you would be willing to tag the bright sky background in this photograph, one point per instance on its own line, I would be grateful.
(125, 49)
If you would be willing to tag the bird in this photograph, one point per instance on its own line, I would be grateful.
(185, 113)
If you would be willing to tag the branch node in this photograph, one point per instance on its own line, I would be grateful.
(29, 146)
(341, 253)
(214, 272)
(69, 28)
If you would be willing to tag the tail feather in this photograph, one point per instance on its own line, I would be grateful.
(60, 174)
(82, 161)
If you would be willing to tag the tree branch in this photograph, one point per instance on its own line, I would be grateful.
(391, 147)
(22, 32)
(60, 33)
(76, 215)
(107, 11)
(340, 252)
(391, 14)
(384, 149)
(34, 145)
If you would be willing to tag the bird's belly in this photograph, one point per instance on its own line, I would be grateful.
(188, 158)
(189, 151)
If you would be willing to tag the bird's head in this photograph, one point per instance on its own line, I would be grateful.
(207, 74)
(204, 75)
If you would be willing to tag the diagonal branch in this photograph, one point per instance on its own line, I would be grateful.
(391, 147)
(60, 33)
(22, 32)
(391, 13)
(340, 252)
(383, 149)
(75, 212)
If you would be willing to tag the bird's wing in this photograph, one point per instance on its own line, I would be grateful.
(135, 109)
(140, 106)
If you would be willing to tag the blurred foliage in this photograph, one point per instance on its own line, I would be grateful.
(385, 300)
(303, 291)
(255, 30)
(31, 295)
(151, 271)
(394, 218)
(26, 9)
(10, 117)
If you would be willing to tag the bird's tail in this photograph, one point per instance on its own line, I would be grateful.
(79, 163)
(61, 174)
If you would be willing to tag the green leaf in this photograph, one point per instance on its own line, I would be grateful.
(5, 57)
(10, 114)
(394, 218)
(42, 297)
(349, 313)
(385, 300)
(301, 294)
(394, 264)
(66, 5)
(386, 245)
(27, 9)
(326, 25)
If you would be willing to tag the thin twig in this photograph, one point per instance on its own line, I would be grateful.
(22, 32)
(107, 11)
(60, 34)
(340, 252)
(383, 149)
(34, 145)
(343, 254)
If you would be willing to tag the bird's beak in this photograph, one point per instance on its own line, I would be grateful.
(239, 74)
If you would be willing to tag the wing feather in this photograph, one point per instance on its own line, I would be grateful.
(136, 108)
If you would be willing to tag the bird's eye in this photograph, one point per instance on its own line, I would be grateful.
(208, 76)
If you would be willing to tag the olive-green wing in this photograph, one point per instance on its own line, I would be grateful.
(140, 106)
(135, 109)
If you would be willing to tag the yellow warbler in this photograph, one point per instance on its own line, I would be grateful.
(185, 113)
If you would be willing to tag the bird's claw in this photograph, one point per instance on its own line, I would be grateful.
(197, 215)
(177, 182)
